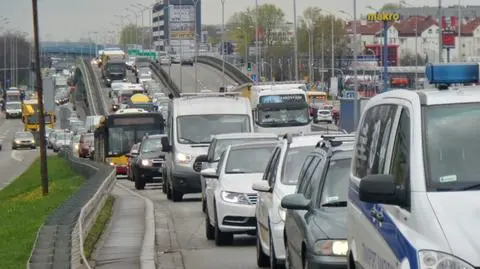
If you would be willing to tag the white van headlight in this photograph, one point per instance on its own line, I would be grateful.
(183, 158)
(439, 260)
(331, 247)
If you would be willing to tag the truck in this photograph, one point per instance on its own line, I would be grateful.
(110, 54)
(30, 116)
(278, 108)
(142, 101)
(114, 70)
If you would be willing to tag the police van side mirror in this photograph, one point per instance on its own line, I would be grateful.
(165, 144)
(381, 189)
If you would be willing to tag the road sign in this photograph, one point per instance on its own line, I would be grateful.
(349, 95)
(254, 77)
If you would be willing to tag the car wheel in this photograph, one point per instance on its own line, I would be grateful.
(262, 258)
(274, 262)
(176, 195)
(169, 192)
(139, 184)
(287, 256)
(209, 228)
(204, 204)
(222, 238)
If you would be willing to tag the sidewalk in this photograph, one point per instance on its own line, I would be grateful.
(121, 244)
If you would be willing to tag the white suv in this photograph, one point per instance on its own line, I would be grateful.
(324, 115)
(280, 179)
(230, 198)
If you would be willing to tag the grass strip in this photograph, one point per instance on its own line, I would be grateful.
(98, 227)
(23, 208)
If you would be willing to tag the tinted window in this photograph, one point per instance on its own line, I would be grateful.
(151, 145)
(374, 136)
(452, 145)
(306, 175)
(335, 184)
(197, 129)
(222, 144)
(250, 160)
(293, 164)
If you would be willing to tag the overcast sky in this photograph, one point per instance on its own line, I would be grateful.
(72, 19)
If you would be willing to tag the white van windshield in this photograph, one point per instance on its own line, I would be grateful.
(452, 145)
(198, 129)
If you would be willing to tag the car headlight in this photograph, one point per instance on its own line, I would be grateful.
(146, 163)
(439, 260)
(282, 212)
(76, 146)
(111, 164)
(16, 141)
(183, 158)
(331, 247)
(234, 197)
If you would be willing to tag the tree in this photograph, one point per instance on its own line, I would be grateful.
(318, 27)
(390, 7)
(21, 52)
(213, 35)
(241, 26)
(408, 59)
(131, 34)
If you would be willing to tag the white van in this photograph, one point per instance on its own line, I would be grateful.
(191, 122)
(91, 122)
(414, 194)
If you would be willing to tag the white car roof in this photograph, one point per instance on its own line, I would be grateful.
(131, 110)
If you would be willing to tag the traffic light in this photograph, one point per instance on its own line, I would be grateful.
(249, 67)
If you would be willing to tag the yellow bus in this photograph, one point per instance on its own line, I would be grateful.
(30, 116)
(315, 97)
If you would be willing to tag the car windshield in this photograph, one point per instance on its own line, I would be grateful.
(151, 145)
(293, 164)
(275, 116)
(452, 153)
(63, 136)
(324, 112)
(33, 119)
(248, 160)
(23, 135)
(222, 144)
(116, 68)
(13, 106)
(335, 187)
(197, 129)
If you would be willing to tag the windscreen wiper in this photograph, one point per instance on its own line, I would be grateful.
(189, 140)
(472, 187)
(335, 204)
(237, 172)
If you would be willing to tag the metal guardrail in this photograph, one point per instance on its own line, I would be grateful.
(88, 87)
(165, 79)
(93, 92)
(230, 70)
(59, 242)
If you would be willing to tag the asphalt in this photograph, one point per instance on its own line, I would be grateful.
(181, 241)
(208, 78)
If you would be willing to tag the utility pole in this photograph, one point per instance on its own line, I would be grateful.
(355, 67)
(257, 47)
(41, 112)
(223, 42)
(196, 35)
(295, 41)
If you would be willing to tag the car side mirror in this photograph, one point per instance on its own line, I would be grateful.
(202, 159)
(296, 202)
(165, 144)
(381, 189)
(262, 186)
(209, 173)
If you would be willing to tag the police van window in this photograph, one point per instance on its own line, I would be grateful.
(374, 136)
(307, 170)
(400, 164)
(452, 144)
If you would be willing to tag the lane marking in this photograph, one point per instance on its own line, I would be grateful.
(16, 157)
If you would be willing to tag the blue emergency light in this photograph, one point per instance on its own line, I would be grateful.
(452, 73)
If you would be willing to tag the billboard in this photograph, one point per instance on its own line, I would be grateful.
(182, 22)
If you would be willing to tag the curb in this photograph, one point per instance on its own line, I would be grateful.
(147, 255)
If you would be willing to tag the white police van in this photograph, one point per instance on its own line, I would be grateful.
(414, 194)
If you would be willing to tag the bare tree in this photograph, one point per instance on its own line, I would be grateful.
(14, 48)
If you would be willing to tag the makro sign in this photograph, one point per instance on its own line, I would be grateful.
(383, 16)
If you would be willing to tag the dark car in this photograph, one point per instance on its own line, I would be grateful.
(148, 166)
(315, 224)
(86, 142)
(187, 61)
(23, 140)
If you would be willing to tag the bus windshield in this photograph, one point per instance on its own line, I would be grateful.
(122, 138)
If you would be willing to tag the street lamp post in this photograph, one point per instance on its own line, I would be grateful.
(5, 56)
(223, 42)
(295, 41)
(257, 47)
(195, 2)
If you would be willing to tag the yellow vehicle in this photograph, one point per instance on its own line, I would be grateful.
(142, 101)
(117, 133)
(30, 116)
(315, 97)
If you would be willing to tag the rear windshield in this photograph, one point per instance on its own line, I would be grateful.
(249, 160)
(222, 144)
